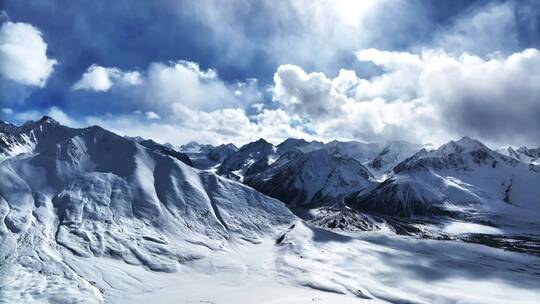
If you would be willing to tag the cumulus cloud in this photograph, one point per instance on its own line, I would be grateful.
(162, 85)
(428, 97)
(102, 79)
(494, 99)
(23, 54)
(313, 95)
(184, 82)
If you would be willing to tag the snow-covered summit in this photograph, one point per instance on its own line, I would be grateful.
(195, 147)
(236, 164)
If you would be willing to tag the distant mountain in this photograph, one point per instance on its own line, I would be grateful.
(193, 147)
(362, 152)
(311, 178)
(292, 143)
(525, 154)
(236, 164)
(221, 152)
(392, 154)
(462, 178)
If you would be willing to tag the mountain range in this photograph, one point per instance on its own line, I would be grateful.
(83, 210)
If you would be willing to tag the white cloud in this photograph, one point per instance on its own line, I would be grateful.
(23, 54)
(102, 79)
(63, 118)
(151, 115)
(427, 97)
(257, 106)
(312, 94)
(185, 83)
(215, 127)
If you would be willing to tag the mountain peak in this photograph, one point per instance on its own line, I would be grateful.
(45, 120)
(465, 144)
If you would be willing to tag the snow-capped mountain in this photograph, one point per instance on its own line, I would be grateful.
(221, 152)
(524, 154)
(195, 147)
(362, 152)
(309, 178)
(198, 155)
(463, 178)
(292, 143)
(236, 164)
(67, 193)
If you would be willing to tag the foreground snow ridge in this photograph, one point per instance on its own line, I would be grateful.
(88, 216)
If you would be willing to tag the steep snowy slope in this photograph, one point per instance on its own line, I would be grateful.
(87, 192)
(463, 177)
(310, 178)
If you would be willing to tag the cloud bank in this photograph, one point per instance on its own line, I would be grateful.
(429, 97)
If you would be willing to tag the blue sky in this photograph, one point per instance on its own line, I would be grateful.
(214, 71)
